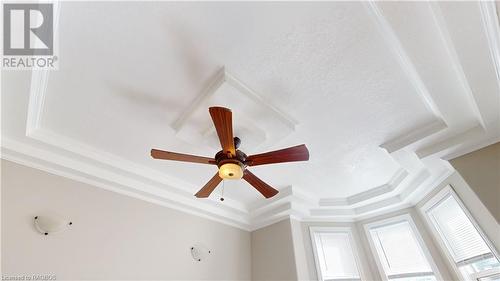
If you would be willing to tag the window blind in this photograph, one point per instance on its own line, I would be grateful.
(335, 255)
(459, 234)
(398, 250)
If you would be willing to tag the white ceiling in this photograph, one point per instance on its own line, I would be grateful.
(379, 92)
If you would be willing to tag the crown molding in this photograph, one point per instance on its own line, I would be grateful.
(437, 135)
(113, 173)
(451, 142)
(60, 155)
(37, 158)
(414, 135)
(455, 61)
(491, 25)
(221, 77)
(38, 88)
(432, 127)
(404, 60)
(367, 195)
(471, 147)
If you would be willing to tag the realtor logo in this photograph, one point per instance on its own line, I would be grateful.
(28, 31)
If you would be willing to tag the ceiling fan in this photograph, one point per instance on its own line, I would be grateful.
(233, 163)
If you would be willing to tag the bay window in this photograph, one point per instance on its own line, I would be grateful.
(467, 248)
(335, 254)
(399, 250)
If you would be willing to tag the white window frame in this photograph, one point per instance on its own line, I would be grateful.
(438, 198)
(485, 274)
(420, 241)
(335, 229)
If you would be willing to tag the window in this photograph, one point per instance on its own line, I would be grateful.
(335, 253)
(488, 275)
(401, 253)
(460, 238)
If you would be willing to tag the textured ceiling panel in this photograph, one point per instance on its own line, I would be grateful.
(348, 79)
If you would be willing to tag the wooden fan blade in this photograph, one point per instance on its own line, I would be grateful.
(167, 155)
(260, 185)
(206, 190)
(223, 122)
(291, 154)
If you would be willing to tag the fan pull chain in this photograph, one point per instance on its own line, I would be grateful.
(222, 192)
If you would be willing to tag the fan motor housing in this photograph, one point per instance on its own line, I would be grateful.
(222, 158)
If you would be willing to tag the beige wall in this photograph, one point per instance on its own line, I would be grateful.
(113, 236)
(273, 255)
(117, 237)
(481, 170)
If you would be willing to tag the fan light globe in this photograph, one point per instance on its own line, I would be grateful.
(230, 171)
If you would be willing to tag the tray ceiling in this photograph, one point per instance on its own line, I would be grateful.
(380, 93)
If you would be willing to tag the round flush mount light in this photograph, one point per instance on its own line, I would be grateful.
(230, 171)
(50, 224)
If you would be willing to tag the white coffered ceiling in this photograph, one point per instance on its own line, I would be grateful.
(379, 92)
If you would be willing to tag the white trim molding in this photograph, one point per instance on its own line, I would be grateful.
(420, 152)
(491, 25)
